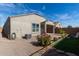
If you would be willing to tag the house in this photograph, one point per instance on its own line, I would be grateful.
(33, 24)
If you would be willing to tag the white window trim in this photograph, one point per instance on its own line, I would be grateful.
(36, 28)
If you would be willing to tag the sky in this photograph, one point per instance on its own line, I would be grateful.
(65, 13)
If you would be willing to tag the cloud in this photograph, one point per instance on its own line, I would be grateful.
(13, 8)
(64, 16)
(7, 4)
(8, 9)
(68, 19)
(36, 11)
(2, 19)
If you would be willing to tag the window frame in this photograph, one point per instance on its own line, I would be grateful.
(35, 27)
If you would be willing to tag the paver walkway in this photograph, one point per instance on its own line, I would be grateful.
(19, 47)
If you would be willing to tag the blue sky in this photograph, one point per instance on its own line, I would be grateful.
(65, 13)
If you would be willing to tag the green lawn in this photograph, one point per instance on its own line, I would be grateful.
(69, 45)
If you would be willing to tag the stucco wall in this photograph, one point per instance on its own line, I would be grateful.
(22, 25)
(6, 28)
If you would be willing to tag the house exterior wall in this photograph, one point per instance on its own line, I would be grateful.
(22, 25)
(6, 29)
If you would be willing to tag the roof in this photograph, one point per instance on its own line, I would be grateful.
(31, 13)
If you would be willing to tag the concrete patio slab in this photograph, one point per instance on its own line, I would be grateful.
(18, 47)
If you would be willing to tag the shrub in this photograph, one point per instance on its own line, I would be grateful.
(62, 32)
(44, 40)
(55, 39)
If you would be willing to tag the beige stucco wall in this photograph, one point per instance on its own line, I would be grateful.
(22, 25)
(6, 28)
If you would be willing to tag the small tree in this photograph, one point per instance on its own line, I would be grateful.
(62, 32)
(44, 40)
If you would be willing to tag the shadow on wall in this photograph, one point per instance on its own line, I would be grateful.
(6, 28)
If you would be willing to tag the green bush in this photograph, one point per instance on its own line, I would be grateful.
(44, 40)
(62, 32)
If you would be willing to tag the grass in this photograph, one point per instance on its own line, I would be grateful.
(69, 45)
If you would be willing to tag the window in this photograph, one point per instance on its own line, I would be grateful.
(35, 27)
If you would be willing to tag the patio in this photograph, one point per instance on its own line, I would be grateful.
(18, 47)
